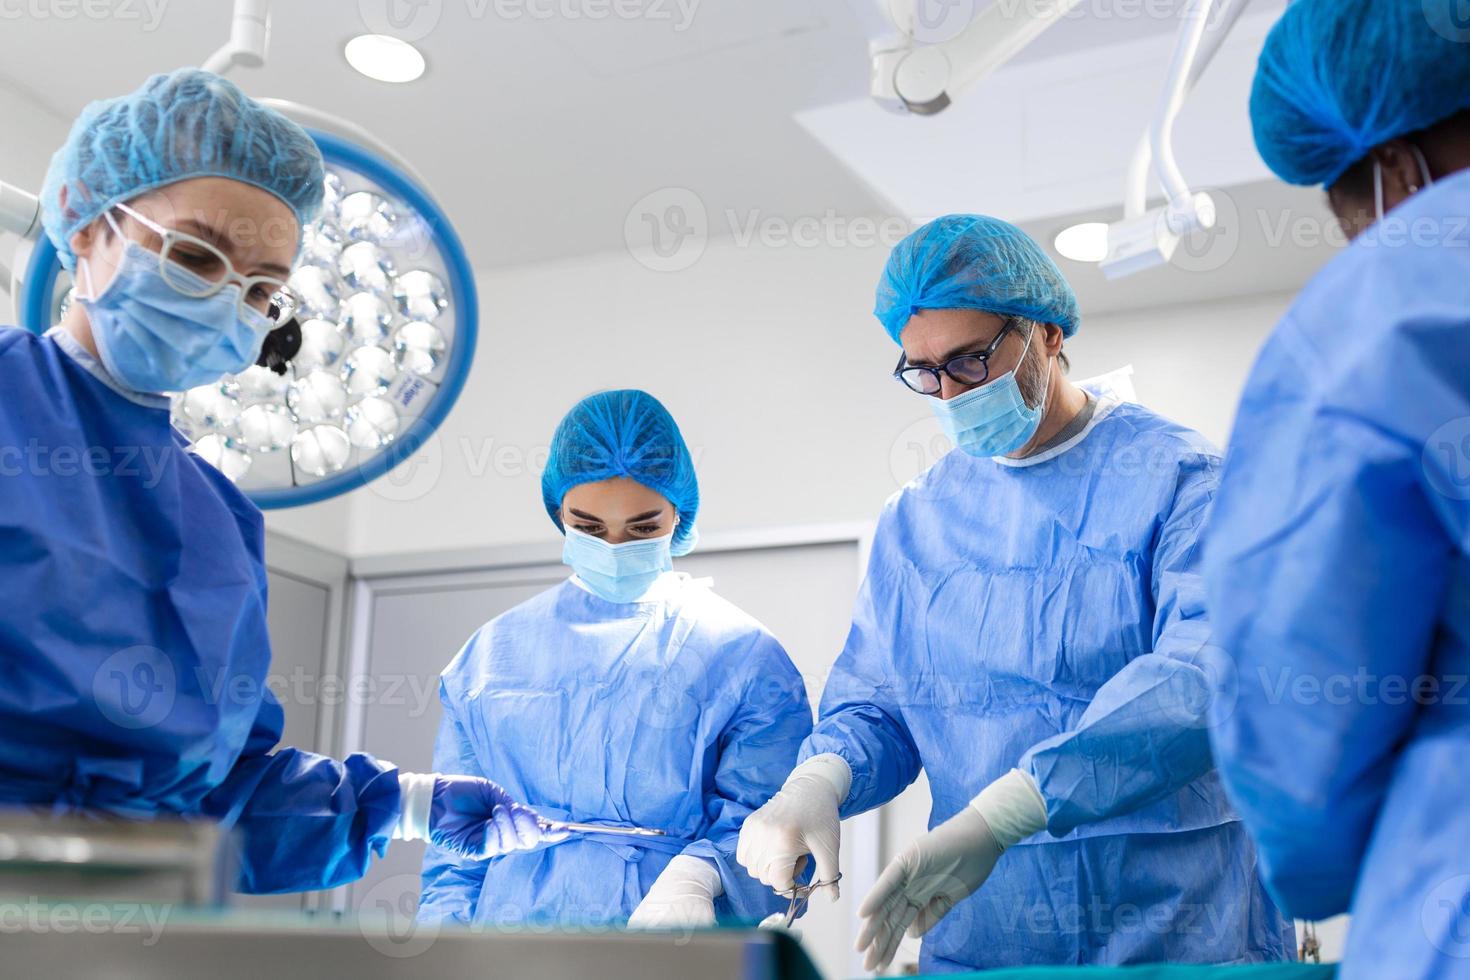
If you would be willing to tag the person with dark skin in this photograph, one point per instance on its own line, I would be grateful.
(1337, 561)
(1438, 150)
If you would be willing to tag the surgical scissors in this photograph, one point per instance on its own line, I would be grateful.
(801, 896)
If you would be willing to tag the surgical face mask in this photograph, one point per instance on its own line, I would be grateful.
(993, 419)
(153, 338)
(617, 572)
(1378, 178)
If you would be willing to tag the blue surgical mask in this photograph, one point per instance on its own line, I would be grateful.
(617, 572)
(153, 338)
(993, 419)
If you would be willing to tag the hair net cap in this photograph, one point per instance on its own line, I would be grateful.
(628, 434)
(973, 262)
(188, 123)
(1336, 79)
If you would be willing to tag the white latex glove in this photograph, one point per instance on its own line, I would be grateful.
(945, 866)
(682, 896)
(802, 819)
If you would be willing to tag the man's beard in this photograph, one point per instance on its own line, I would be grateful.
(1034, 372)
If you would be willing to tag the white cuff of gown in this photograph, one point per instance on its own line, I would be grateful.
(1013, 807)
(416, 797)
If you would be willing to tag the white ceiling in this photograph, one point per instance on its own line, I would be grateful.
(539, 135)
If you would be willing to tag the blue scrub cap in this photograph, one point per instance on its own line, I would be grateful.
(623, 433)
(188, 123)
(973, 262)
(1338, 78)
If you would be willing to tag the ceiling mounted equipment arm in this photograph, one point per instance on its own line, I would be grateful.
(20, 211)
(1140, 168)
(1145, 239)
(250, 29)
(925, 79)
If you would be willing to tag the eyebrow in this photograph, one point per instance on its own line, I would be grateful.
(971, 348)
(650, 515)
(201, 229)
(215, 237)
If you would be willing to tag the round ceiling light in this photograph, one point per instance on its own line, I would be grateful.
(384, 58)
(1087, 242)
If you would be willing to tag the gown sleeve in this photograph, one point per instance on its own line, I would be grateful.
(756, 751)
(303, 821)
(861, 718)
(1145, 734)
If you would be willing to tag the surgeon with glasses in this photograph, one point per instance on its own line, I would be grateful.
(133, 641)
(1032, 634)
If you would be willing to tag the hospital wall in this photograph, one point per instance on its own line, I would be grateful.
(775, 368)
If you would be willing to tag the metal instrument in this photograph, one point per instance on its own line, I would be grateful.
(800, 896)
(594, 828)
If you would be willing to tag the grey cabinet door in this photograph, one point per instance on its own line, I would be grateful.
(415, 627)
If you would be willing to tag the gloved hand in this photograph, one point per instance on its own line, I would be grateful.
(802, 819)
(945, 866)
(467, 815)
(683, 896)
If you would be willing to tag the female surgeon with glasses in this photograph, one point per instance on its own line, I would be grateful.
(629, 700)
(133, 641)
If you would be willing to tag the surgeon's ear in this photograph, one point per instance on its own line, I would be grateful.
(1052, 338)
(83, 240)
(1402, 176)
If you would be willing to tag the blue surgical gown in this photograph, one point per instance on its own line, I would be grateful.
(1339, 582)
(133, 645)
(1050, 617)
(679, 713)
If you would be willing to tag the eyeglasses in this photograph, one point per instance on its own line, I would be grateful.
(197, 269)
(968, 369)
(801, 896)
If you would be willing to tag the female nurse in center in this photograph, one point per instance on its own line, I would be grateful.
(630, 695)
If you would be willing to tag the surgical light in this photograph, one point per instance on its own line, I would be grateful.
(384, 58)
(388, 321)
(1085, 242)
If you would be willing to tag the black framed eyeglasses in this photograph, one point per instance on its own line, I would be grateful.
(969, 369)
